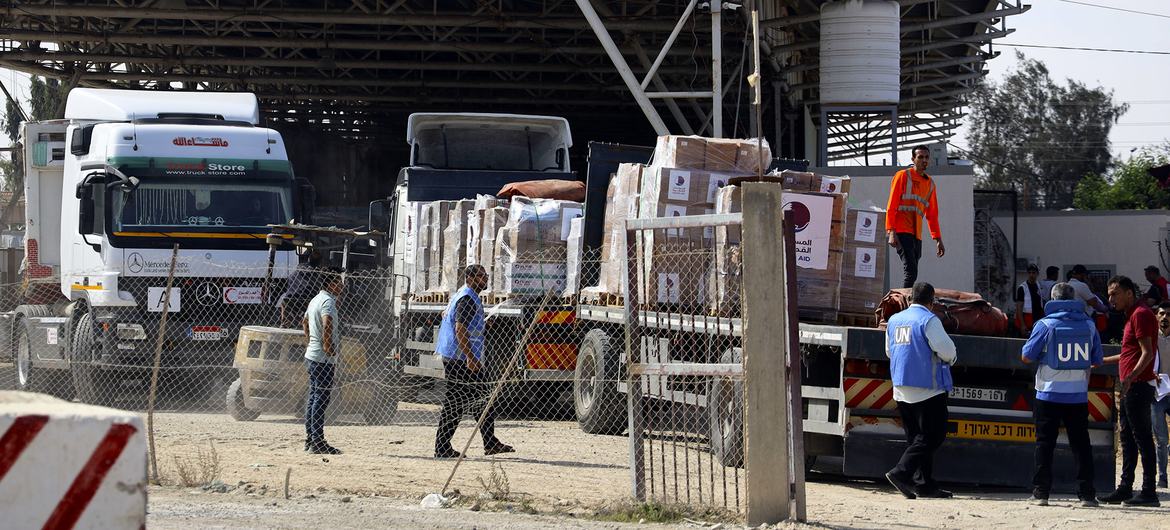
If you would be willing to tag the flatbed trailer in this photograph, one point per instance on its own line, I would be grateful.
(851, 424)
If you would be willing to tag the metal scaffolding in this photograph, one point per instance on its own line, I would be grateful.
(354, 67)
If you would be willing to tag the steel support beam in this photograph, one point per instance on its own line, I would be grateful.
(285, 16)
(623, 69)
(716, 68)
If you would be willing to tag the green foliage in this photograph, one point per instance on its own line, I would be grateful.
(1038, 137)
(1128, 186)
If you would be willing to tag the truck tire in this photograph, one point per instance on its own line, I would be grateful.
(725, 414)
(599, 406)
(31, 378)
(235, 403)
(93, 384)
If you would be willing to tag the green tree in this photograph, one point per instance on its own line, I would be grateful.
(1038, 137)
(1128, 186)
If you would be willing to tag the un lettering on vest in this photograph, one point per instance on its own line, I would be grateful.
(813, 220)
(1073, 349)
(902, 335)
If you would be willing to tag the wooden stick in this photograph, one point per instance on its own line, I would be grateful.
(162, 330)
(287, 475)
(496, 391)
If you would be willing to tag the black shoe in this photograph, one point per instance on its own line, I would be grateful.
(902, 486)
(936, 493)
(498, 448)
(1145, 498)
(1122, 493)
(322, 448)
(447, 453)
(1038, 500)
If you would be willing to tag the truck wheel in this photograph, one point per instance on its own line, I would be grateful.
(235, 403)
(725, 414)
(598, 405)
(29, 378)
(94, 384)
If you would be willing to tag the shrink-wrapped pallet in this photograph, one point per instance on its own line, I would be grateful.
(474, 228)
(491, 220)
(436, 221)
(536, 241)
(422, 247)
(573, 257)
(864, 269)
(454, 241)
(621, 203)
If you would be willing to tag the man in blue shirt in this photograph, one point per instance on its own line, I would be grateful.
(320, 325)
(921, 354)
(461, 344)
(1065, 345)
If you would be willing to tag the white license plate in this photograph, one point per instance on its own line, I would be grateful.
(206, 333)
(979, 394)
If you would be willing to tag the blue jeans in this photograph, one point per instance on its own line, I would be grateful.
(320, 389)
(1159, 410)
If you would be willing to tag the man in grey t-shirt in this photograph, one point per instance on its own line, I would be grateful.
(320, 326)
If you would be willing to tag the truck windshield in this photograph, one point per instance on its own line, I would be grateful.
(487, 148)
(192, 205)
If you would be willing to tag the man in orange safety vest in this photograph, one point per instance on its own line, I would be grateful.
(912, 197)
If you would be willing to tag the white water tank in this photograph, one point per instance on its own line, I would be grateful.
(860, 52)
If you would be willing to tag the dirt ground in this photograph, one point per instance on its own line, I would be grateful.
(557, 470)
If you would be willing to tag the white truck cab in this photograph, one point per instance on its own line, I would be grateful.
(111, 189)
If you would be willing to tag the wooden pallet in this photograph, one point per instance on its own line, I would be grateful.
(493, 298)
(857, 320)
(816, 315)
(602, 299)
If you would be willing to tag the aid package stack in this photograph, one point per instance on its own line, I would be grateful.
(418, 225)
(684, 180)
(435, 220)
(621, 203)
(573, 249)
(474, 227)
(531, 248)
(864, 270)
(820, 241)
(454, 240)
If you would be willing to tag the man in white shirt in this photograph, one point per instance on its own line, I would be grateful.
(1051, 277)
(921, 354)
(1079, 274)
(1161, 407)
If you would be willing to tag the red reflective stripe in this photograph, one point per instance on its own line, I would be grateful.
(18, 436)
(1095, 412)
(90, 478)
(865, 392)
(882, 401)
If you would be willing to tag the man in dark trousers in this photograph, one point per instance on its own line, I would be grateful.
(461, 344)
(913, 197)
(1066, 347)
(921, 354)
(1135, 368)
(320, 325)
(1029, 301)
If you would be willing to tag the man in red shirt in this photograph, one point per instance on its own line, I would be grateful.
(1135, 368)
(1158, 287)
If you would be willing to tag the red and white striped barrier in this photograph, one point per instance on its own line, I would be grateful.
(67, 465)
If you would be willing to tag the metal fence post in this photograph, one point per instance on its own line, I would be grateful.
(634, 382)
(765, 345)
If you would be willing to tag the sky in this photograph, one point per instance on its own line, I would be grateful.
(1142, 80)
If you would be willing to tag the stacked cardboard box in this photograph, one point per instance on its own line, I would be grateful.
(820, 240)
(475, 225)
(712, 154)
(864, 269)
(418, 226)
(573, 259)
(491, 221)
(621, 203)
(532, 247)
(454, 246)
(806, 181)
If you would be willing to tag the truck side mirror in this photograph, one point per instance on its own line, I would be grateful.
(85, 215)
(81, 140)
(306, 200)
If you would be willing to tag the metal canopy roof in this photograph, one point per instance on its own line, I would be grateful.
(356, 67)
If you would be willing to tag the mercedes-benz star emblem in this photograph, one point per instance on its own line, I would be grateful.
(135, 262)
(208, 294)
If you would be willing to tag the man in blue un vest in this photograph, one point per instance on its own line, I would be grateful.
(461, 344)
(1066, 346)
(921, 355)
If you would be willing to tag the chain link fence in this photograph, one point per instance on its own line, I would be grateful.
(555, 370)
